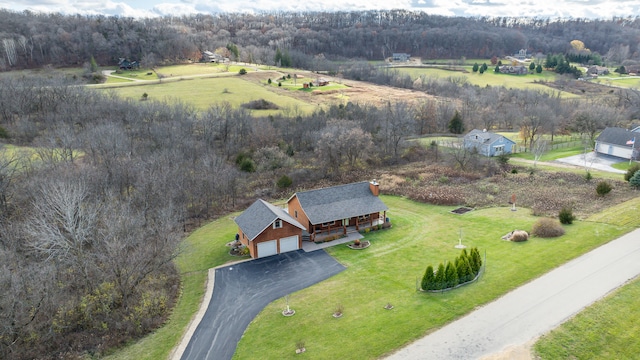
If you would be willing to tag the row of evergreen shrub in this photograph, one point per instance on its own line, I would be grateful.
(463, 269)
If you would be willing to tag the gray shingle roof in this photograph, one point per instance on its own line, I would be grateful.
(261, 215)
(339, 202)
(618, 136)
(483, 137)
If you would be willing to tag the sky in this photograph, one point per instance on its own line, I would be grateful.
(512, 8)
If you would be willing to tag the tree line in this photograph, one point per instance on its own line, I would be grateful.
(305, 40)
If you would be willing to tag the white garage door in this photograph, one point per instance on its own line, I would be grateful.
(289, 244)
(267, 248)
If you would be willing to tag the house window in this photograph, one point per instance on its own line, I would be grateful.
(277, 224)
(296, 213)
(363, 218)
(327, 224)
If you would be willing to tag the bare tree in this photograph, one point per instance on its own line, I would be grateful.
(539, 149)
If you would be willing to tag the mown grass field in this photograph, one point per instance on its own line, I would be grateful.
(489, 78)
(205, 92)
(617, 80)
(385, 272)
(388, 271)
(606, 330)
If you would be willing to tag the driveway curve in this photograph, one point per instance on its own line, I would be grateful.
(535, 308)
(242, 290)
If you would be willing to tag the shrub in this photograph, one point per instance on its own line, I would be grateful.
(547, 228)
(631, 171)
(566, 215)
(269, 81)
(603, 188)
(284, 182)
(588, 176)
(476, 260)
(514, 171)
(440, 278)
(428, 279)
(260, 104)
(635, 180)
(247, 165)
(3, 133)
(451, 275)
(242, 71)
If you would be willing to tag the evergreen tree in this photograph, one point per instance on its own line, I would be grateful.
(451, 274)
(497, 69)
(278, 57)
(539, 69)
(93, 64)
(484, 67)
(456, 125)
(461, 268)
(428, 279)
(532, 66)
(548, 63)
(635, 180)
(440, 279)
(475, 67)
(476, 261)
(468, 271)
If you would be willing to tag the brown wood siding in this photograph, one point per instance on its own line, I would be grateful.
(294, 205)
(275, 234)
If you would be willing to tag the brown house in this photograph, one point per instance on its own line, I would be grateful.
(338, 209)
(268, 230)
(312, 215)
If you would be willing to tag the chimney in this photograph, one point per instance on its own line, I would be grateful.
(374, 187)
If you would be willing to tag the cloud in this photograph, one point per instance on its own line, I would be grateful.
(151, 8)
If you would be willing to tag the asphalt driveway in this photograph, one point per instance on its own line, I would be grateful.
(242, 290)
(594, 160)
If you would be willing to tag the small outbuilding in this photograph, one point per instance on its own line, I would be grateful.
(488, 143)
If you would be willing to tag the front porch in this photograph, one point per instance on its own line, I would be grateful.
(326, 231)
(309, 246)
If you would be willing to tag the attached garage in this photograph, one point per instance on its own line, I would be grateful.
(290, 243)
(267, 248)
(268, 230)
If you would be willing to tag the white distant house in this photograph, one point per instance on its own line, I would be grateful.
(401, 57)
(619, 142)
(209, 56)
(488, 143)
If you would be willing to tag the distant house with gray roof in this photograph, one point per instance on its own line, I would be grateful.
(488, 143)
(619, 142)
(268, 230)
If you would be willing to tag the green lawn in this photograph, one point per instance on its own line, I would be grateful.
(489, 78)
(388, 271)
(203, 249)
(606, 330)
(204, 92)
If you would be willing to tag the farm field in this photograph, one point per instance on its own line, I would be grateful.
(205, 92)
(488, 78)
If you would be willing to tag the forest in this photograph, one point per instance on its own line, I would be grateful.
(96, 192)
(31, 39)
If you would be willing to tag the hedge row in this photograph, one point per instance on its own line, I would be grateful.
(463, 269)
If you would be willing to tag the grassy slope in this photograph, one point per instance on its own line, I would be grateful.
(608, 329)
(490, 78)
(202, 93)
(388, 271)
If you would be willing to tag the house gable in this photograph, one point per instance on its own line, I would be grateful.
(261, 216)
